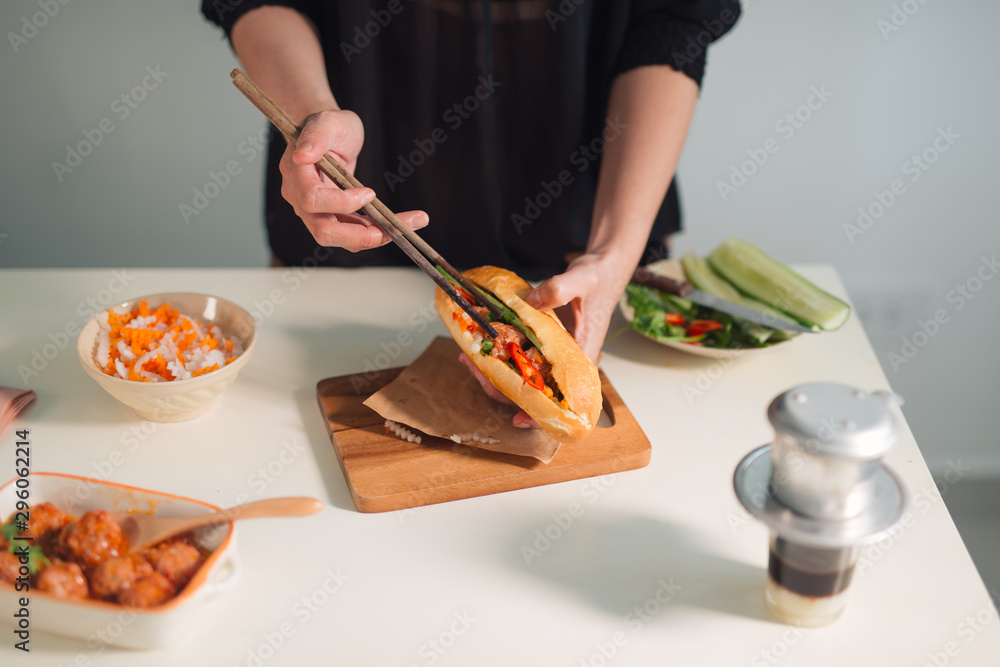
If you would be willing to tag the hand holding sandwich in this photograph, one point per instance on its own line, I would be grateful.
(532, 360)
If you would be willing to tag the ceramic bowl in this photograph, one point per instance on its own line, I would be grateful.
(105, 624)
(180, 399)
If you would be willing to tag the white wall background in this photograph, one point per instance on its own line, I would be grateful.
(890, 94)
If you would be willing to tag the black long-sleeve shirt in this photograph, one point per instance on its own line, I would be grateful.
(487, 114)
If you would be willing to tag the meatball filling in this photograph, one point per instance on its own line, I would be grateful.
(509, 338)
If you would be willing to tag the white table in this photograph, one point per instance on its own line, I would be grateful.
(662, 567)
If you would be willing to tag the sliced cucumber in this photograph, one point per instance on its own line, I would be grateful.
(755, 273)
(700, 274)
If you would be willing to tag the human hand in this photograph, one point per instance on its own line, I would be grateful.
(326, 210)
(591, 286)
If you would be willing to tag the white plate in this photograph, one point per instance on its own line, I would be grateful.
(104, 624)
(672, 268)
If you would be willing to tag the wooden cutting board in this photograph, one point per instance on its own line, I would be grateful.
(385, 473)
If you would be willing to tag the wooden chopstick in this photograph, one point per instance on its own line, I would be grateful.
(380, 214)
(422, 245)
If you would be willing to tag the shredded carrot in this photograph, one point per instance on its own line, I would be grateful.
(202, 371)
(166, 343)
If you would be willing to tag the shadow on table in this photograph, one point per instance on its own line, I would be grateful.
(65, 392)
(632, 346)
(326, 458)
(336, 351)
(639, 569)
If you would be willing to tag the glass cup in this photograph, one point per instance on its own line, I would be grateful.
(806, 585)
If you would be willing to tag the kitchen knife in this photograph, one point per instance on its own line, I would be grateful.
(685, 290)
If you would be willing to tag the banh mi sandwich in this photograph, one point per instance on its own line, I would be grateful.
(533, 361)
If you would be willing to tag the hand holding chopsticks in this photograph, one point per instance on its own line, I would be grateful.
(415, 247)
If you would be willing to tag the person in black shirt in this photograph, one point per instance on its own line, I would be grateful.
(540, 135)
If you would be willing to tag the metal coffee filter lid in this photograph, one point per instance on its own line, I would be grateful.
(836, 420)
(752, 482)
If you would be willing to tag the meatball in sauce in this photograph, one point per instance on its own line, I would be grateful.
(45, 518)
(175, 560)
(114, 576)
(9, 566)
(63, 580)
(92, 538)
(88, 558)
(149, 591)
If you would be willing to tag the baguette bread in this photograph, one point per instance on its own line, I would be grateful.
(573, 372)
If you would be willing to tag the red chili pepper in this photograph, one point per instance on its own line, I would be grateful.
(675, 319)
(466, 295)
(528, 370)
(699, 327)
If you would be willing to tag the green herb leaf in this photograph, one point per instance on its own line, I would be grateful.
(509, 316)
(9, 531)
(651, 307)
(36, 560)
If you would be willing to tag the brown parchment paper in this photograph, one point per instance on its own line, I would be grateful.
(438, 396)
